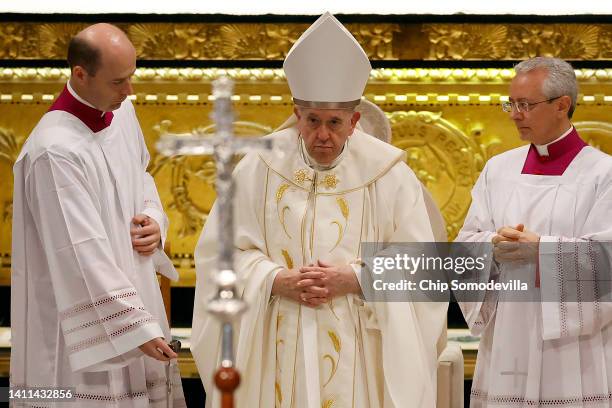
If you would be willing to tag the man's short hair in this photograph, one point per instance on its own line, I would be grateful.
(560, 81)
(81, 52)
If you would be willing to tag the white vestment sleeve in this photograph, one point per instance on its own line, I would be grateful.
(479, 227)
(575, 276)
(102, 316)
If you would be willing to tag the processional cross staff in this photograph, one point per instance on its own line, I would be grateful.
(226, 306)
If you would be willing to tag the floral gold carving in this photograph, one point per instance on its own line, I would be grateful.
(571, 41)
(466, 41)
(272, 41)
(376, 39)
(54, 39)
(11, 38)
(10, 146)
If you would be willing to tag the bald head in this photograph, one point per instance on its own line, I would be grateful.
(98, 44)
(102, 61)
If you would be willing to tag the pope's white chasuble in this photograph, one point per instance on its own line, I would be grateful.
(346, 353)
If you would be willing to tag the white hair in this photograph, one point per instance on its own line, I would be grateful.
(560, 81)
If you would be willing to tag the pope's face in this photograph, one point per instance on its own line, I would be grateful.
(325, 131)
(542, 122)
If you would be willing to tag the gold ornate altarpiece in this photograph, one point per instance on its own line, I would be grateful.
(448, 119)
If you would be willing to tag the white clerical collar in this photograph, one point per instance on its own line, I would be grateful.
(312, 163)
(543, 149)
(78, 98)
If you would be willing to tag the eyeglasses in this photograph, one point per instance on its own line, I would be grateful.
(523, 106)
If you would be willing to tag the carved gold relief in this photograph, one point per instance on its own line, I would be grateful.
(54, 39)
(272, 41)
(517, 41)
(185, 172)
(376, 39)
(445, 159)
(571, 41)
(189, 174)
(466, 41)
(257, 41)
(11, 38)
(597, 134)
(10, 146)
(605, 42)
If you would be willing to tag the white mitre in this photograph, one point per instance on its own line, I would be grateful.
(326, 68)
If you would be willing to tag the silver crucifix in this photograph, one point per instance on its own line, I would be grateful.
(226, 305)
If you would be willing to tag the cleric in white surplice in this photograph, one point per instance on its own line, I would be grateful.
(555, 193)
(88, 228)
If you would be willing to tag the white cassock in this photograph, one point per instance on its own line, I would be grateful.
(347, 353)
(82, 300)
(554, 352)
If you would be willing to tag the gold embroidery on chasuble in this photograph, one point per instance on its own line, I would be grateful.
(310, 217)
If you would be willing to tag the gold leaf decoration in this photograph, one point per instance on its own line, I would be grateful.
(288, 259)
(152, 40)
(282, 220)
(242, 41)
(54, 39)
(376, 40)
(190, 40)
(281, 214)
(335, 341)
(340, 234)
(328, 403)
(446, 159)
(7, 213)
(571, 41)
(281, 190)
(273, 40)
(11, 38)
(578, 41)
(344, 208)
(9, 146)
(466, 41)
(334, 367)
(279, 394)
